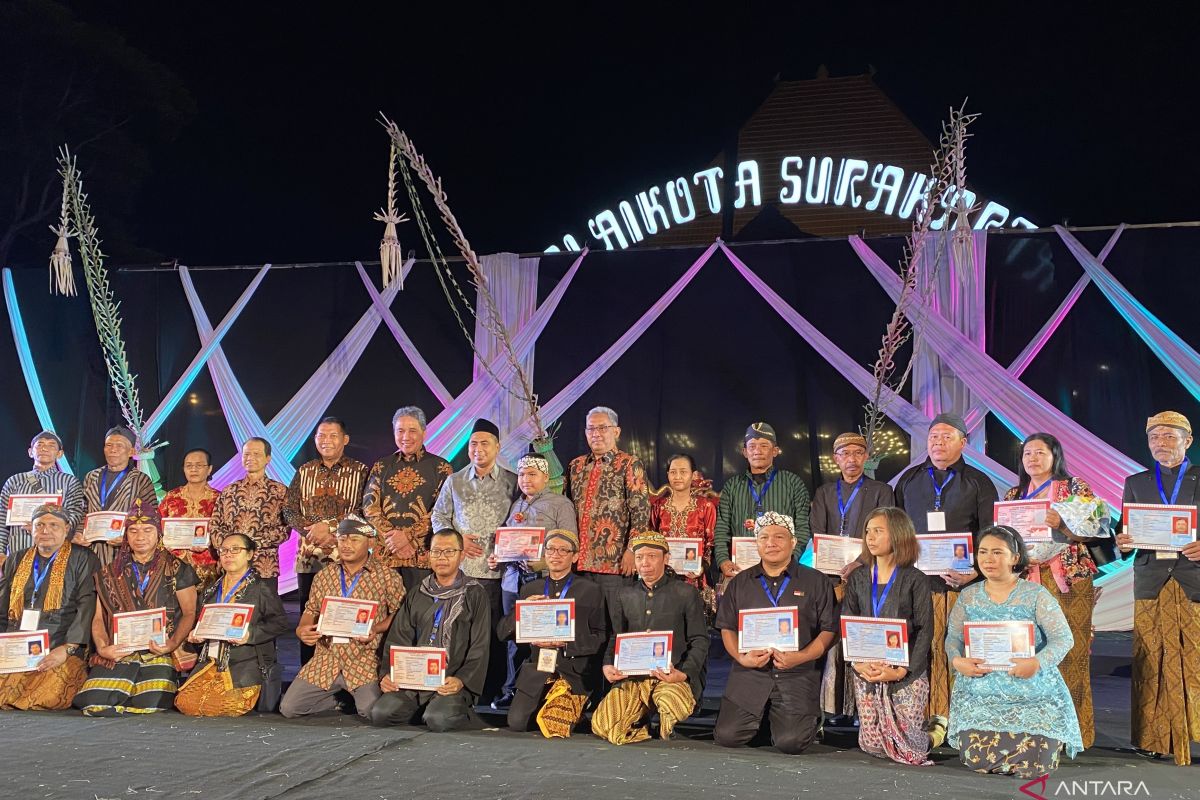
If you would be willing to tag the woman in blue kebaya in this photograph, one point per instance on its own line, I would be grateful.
(1015, 720)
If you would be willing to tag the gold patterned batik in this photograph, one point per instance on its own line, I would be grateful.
(1165, 714)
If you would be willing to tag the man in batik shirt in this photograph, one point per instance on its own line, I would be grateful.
(400, 494)
(609, 490)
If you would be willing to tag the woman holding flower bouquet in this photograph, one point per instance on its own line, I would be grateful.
(1064, 566)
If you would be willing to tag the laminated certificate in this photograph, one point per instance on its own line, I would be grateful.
(137, 630)
(686, 555)
(519, 544)
(21, 652)
(180, 533)
(227, 622)
(1028, 517)
(1159, 527)
(945, 552)
(21, 507)
(421, 669)
(642, 653)
(744, 551)
(998, 643)
(104, 526)
(875, 639)
(769, 629)
(546, 620)
(831, 554)
(346, 617)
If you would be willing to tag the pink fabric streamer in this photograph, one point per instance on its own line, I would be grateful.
(1017, 368)
(1015, 404)
(406, 344)
(451, 425)
(207, 347)
(904, 413)
(1176, 355)
(518, 439)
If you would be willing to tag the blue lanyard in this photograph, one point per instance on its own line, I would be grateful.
(757, 496)
(437, 621)
(39, 577)
(353, 583)
(561, 594)
(774, 598)
(877, 603)
(143, 581)
(106, 490)
(226, 598)
(844, 507)
(1183, 468)
(937, 490)
(1038, 490)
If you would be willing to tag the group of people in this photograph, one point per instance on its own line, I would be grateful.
(416, 540)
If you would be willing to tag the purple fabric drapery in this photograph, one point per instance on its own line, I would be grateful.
(207, 347)
(295, 421)
(905, 414)
(513, 282)
(406, 344)
(1180, 358)
(1017, 368)
(518, 439)
(1021, 410)
(951, 275)
(449, 429)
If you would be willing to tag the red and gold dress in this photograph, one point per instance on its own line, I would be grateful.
(697, 521)
(176, 504)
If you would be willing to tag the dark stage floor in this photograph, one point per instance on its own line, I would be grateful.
(63, 755)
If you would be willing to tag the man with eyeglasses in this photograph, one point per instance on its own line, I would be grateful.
(761, 488)
(474, 501)
(323, 492)
(345, 665)
(1166, 605)
(449, 611)
(44, 478)
(608, 488)
(555, 681)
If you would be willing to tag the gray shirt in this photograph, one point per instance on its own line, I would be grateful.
(475, 506)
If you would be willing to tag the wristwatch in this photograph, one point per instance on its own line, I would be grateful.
(74, 649)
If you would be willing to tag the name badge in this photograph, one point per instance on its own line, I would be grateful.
(31, 616)
(1169, 555)
(338, 640)
(936, 521)
(547, 659)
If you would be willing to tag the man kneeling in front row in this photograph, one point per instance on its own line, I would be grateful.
(555, 681)
(783, 682)
(450, 611)
(659, 601)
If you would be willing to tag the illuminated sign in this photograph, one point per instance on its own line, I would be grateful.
(815, 181)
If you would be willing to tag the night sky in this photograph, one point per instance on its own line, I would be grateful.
(538, 118)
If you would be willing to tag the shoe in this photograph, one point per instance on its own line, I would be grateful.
(936, 728)
(503, 701)
(1150, 754)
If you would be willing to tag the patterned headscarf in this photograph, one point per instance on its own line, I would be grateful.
(774, 518)
(143, 512)
(537, 462)
(649, 539)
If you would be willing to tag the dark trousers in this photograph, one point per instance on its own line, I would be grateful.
(304, 582)
(611, 585)
(498, 671)
(412, 576)
(525, 706)
(514, 653)
(441, 712)
(791, 732)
